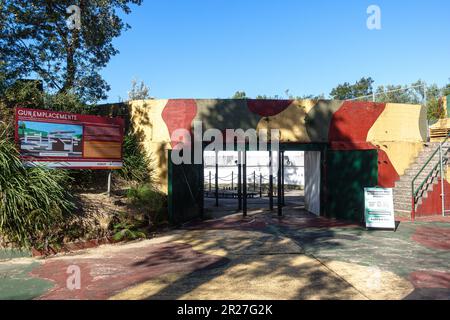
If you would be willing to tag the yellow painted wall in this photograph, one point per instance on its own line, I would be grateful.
(400, 131)
(290, 122)
(402, 154)
(400, 122)
(154, 136)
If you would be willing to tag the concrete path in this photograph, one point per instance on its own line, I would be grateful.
(261, 257)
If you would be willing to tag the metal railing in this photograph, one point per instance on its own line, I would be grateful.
(439, 165)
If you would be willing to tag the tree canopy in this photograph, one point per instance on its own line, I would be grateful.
(347, 91)
(36, 41)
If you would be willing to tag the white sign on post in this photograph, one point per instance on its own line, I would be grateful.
(379, 208)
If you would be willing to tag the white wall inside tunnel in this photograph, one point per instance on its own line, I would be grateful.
(258, 162)
(312, 182)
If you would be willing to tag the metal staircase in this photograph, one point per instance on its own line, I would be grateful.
(421, 177)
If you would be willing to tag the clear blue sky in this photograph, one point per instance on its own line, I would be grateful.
(212, 48)
(51, 127)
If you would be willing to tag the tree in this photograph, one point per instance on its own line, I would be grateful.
(348, 91)
(446, 90)
(139, 91)
(239, 95)
(36, 40)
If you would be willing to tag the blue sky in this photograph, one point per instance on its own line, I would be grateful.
(51, 127)
(212, 48)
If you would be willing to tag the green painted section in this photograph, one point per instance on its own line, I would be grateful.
(225, 114)
(8, 254)
(448, 106)
(185, 192)
(347, 174)
(303, 146)
(16, 283)
(318, 119)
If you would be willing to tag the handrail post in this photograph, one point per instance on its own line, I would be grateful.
(441, 169)
(413, 191)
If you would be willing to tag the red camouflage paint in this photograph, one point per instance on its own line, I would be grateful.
(387, 175)
(353, 120)
(268, 108)
(348, 131)
(179, 114)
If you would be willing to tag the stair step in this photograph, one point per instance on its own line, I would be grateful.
(402, 198)
(405, 182)
(403, 214)
(402, 189)
(402, 206)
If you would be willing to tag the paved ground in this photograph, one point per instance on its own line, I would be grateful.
(261, 257)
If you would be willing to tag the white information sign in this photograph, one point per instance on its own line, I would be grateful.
(379, 208)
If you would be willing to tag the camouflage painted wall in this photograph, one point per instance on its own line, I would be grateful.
(396, 131)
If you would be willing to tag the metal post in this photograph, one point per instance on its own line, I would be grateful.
(244, 179)
(217, 179)
(270, 181)
(254, 181)
(232, 180)
(441, 165)
(260, 185)
(373, 96)
(109, 183)
(210, 181)
(282, 177)
(239, 181)
(279, 192)
(425, 94)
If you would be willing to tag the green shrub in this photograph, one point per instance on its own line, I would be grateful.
(136, 163)
(125, 228)
(33, 201)
(151, 201)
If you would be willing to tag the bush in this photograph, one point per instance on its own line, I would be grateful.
(136, 163)
(125, 227)
(153, 202)
(33, 201)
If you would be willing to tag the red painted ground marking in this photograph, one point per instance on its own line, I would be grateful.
(108, 275)
(267, 108)
(430, 279)
(425, 219)
(434, 219)
(178, 114)
(433, 237)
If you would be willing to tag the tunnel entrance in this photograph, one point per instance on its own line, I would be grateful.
(260, 184)
(334, 182)
(223, 184)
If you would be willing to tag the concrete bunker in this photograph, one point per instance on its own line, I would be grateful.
(348, 145)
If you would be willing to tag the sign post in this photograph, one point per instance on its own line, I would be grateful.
(379, 208)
